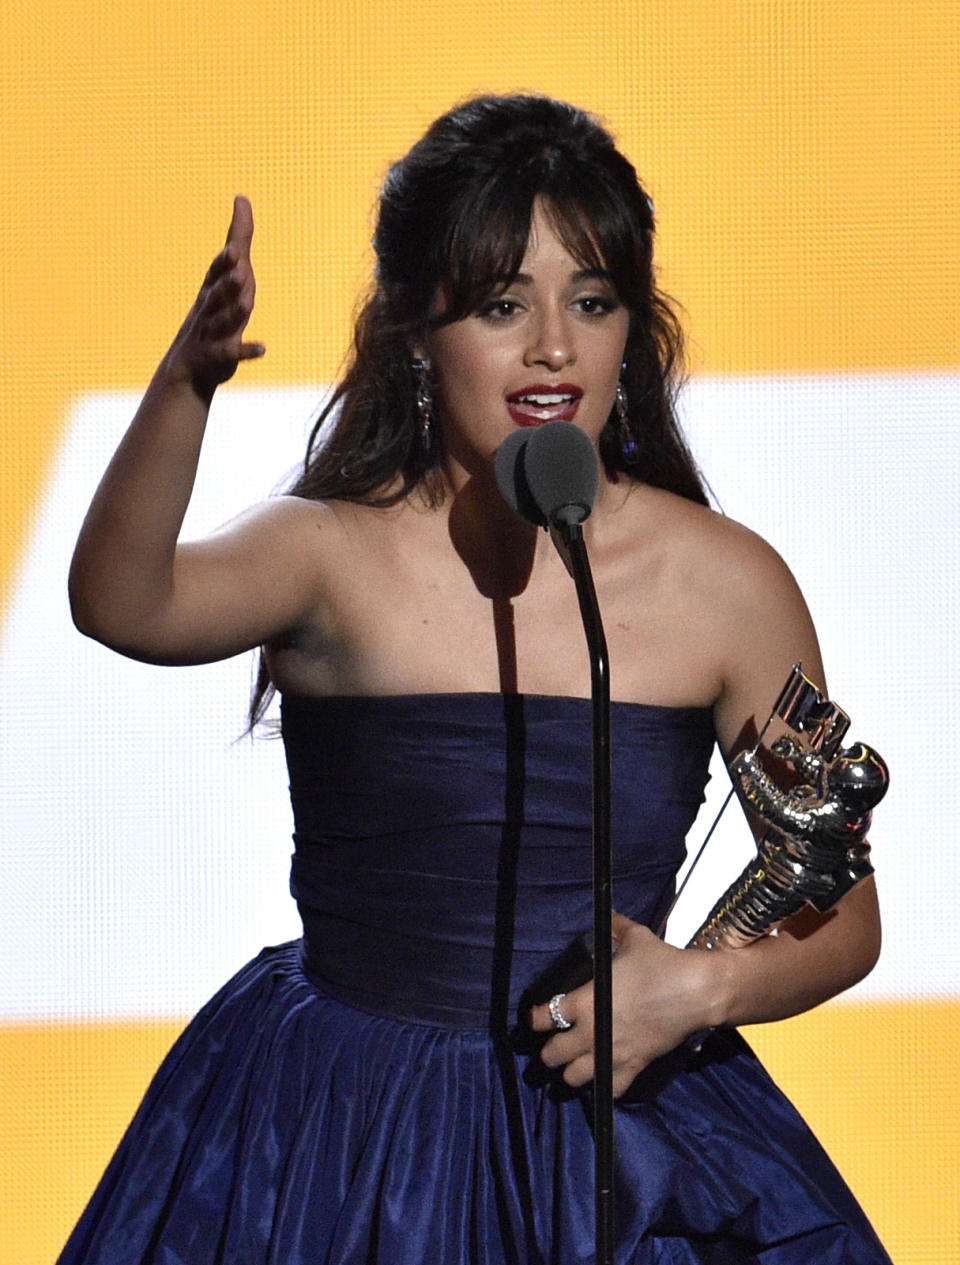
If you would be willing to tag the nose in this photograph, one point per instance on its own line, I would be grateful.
(550, 343)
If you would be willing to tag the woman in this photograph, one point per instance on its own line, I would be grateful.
(368, 1095)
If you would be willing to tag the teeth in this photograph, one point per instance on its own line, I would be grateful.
(545, 401)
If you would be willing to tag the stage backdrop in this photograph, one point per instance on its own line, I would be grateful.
(804, 162)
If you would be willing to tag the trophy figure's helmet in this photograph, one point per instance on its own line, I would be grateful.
(858, 777)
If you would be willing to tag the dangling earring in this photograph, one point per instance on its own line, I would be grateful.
(421, 373)
(628, 445)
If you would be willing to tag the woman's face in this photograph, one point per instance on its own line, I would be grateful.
(547, 346)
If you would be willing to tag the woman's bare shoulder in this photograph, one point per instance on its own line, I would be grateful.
(733, 612)
(289, 522)
(717, 554)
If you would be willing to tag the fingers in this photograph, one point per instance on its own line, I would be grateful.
(575, 1007)
(240, 232)
(226, 299)
(235, 256)
(580, 1071)
(209, 344)
(570, 1049)
(221, 291)
(573, 1053)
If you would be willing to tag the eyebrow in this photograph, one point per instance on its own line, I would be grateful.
(525, 279)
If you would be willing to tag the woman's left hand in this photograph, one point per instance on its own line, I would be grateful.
(661, 995)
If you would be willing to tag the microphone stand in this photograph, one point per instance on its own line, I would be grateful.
(567, 536)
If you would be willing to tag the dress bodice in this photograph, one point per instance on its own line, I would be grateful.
(443, 854)
(349, 1097)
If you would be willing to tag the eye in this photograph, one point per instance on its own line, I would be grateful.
(499, 309)
(596, 304)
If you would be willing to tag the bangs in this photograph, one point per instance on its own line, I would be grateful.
(489, 237)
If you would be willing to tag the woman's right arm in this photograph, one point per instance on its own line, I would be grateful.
(131, 585)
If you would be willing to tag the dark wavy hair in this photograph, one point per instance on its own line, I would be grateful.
(454, 218)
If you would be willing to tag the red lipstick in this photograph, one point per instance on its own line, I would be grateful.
(544, 402)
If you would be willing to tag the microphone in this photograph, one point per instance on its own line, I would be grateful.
(508, 470)
(563, 472)
(550, 474)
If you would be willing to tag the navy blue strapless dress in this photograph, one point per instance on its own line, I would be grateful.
(366, 1094)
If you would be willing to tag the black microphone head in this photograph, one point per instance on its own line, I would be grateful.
(562, 471)
(512, 481)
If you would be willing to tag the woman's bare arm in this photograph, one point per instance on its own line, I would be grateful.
(662, 994)
(131, 585)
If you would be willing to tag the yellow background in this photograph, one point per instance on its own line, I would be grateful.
(805, 163)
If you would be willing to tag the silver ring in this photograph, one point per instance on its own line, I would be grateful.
(556, 1014)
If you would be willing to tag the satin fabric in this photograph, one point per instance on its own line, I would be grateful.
(370, 1094)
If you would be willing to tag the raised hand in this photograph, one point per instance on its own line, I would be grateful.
(210, 345)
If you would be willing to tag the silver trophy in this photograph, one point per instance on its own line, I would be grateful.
(814, 848)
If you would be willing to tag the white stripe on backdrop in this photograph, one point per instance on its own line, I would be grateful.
(146, 849)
